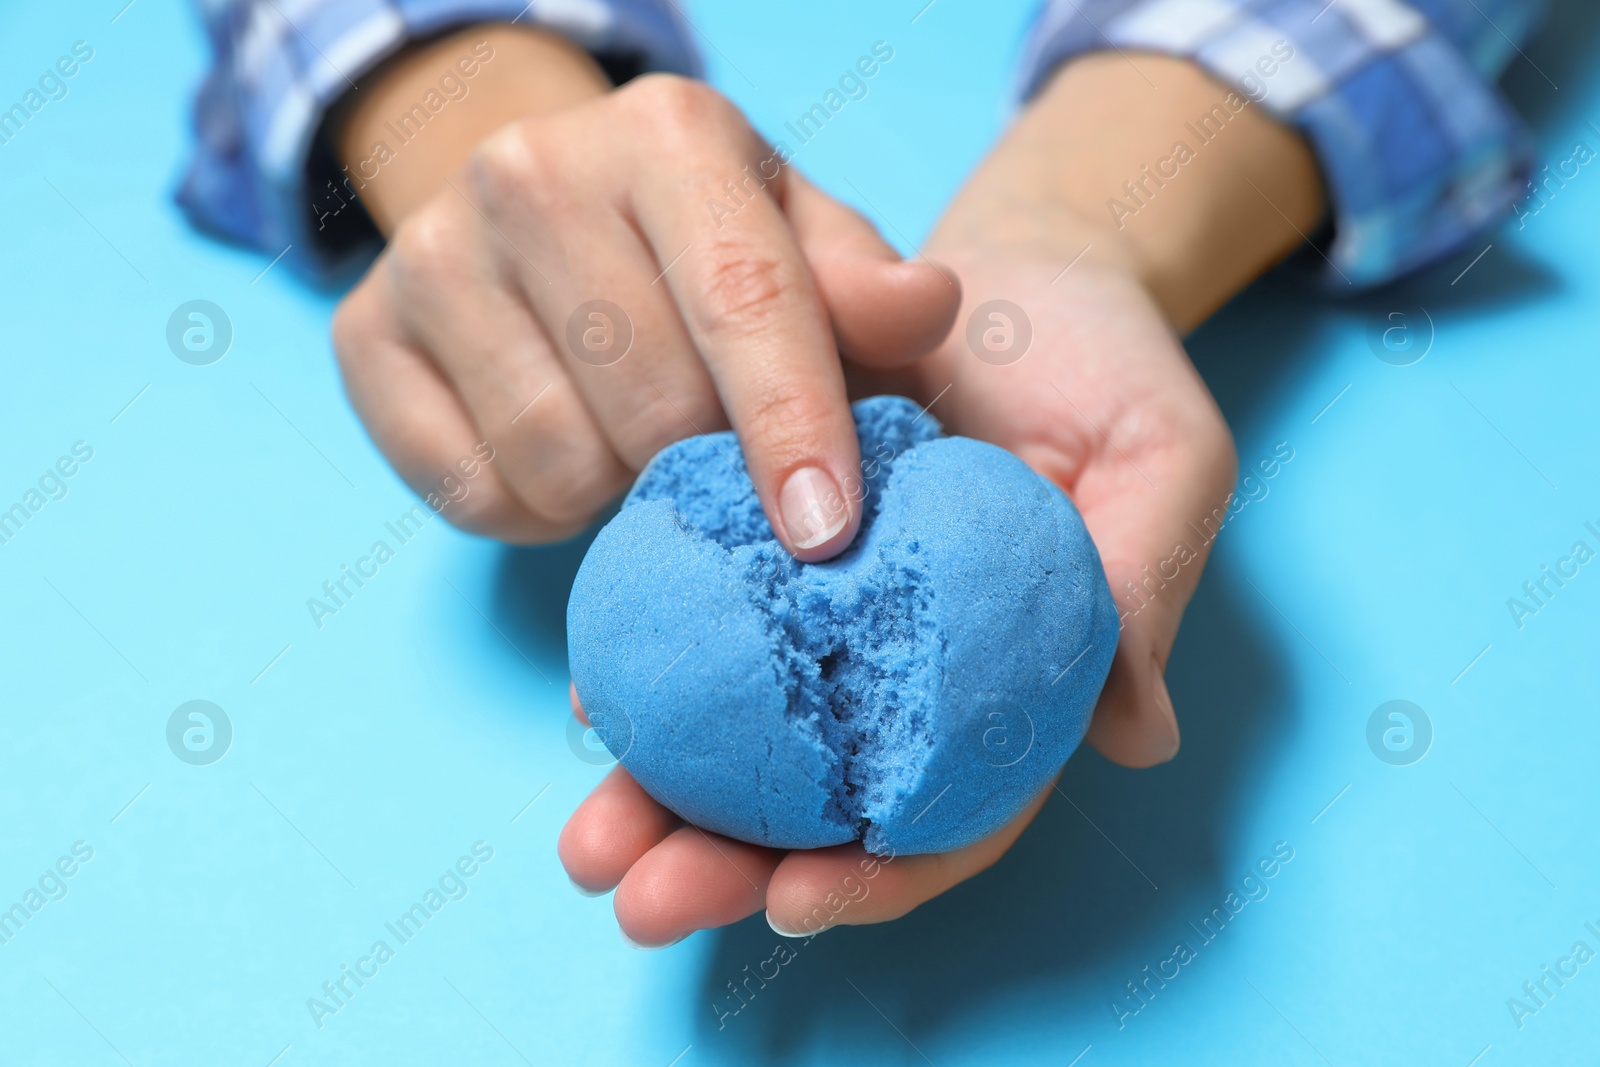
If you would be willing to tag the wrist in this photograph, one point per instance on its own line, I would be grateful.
(1104, 164)
(418, 117)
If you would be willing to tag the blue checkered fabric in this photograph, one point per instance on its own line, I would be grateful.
(281, 64)
(1417, 147)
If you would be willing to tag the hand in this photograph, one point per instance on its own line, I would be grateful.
(478, 329)
(1104, 403)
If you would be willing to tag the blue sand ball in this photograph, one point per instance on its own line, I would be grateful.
(913, 693)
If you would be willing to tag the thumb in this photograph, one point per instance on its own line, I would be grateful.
(886, 311)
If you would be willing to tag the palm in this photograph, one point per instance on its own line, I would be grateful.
(1106, 405)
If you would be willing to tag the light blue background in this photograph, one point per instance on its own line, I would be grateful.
(428, 714)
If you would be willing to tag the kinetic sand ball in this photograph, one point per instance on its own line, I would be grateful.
(913, 693)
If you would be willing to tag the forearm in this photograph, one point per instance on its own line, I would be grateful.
(1104, 159)
(526, 72)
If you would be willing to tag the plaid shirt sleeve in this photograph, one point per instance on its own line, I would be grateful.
(260, 174)
(1418, 149)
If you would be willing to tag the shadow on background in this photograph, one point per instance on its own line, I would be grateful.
(531, 590)
(1556, 65)
(1060, 905)
(531, 593)
(1065, 904)
(1254, 347)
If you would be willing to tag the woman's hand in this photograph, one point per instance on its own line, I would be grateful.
(604, 277)
(1101, 399)
(1105, 404)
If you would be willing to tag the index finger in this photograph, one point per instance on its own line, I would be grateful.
(746, 294)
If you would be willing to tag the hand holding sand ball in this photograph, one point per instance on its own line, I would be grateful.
(557, 197)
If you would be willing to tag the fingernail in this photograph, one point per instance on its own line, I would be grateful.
(1163, 699)
(648, 948)
(814, 511)
(587, 891)
(780, 931)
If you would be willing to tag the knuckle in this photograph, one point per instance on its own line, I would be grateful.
(564, 484)
(682, 115)
(491, 512)
(568, 501)
(659, 422)
(556, 463)
(745, 290)
(356, 322)
(782, 418)
(669, 96)
(346, 329)
(428, 246)
(519, 164)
